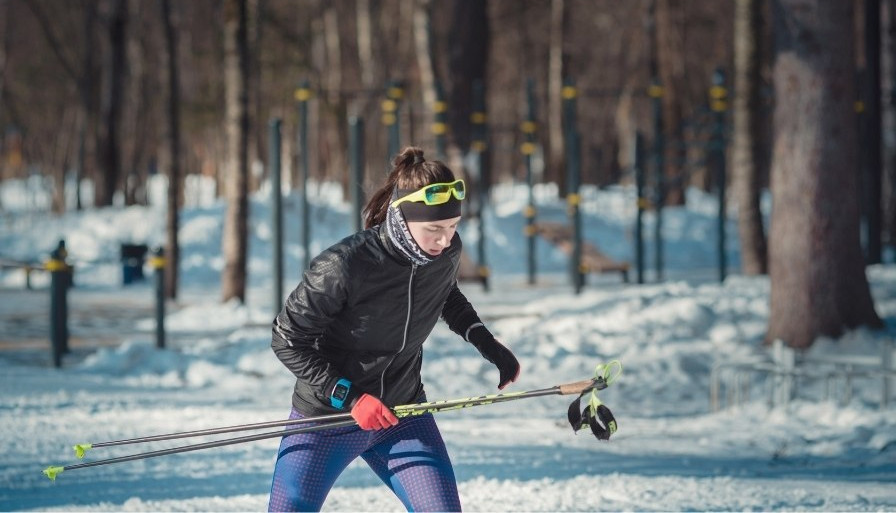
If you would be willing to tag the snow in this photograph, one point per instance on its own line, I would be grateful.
(832, 448)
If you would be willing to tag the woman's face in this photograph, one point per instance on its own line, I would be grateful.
(434, 236)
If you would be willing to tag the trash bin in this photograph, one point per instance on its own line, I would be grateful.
(133, 256)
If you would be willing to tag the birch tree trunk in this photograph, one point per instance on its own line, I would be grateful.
(363, 13)
(423, 50)
(671, 68)
(337, 108)
(556, 146)
(371, 66)
(136, 127)
(236, 79)
(85, 88)
(817, 272)
(746, 143)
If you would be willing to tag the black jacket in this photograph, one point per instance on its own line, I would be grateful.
(362, 312)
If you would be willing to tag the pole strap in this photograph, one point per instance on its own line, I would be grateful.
(595, 414)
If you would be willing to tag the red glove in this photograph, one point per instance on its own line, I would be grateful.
(371, 413)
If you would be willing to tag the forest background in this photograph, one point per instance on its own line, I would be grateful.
(108, 92)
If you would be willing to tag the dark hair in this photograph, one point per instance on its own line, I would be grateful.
(409, 171)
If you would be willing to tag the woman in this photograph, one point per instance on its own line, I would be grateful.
(352, 333)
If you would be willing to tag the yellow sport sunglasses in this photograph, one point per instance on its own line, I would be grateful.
(435, 193)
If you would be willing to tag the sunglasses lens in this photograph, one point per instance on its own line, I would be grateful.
(437, 193)
(459, 190)
(441, 192)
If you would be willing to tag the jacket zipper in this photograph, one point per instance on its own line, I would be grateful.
(404, 338)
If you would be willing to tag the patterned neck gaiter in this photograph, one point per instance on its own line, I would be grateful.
(401, 237)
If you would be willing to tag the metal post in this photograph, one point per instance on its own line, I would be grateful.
(274, 145)
(640, 180)
(861, 161)
(871, 143)
(58, 312)
(886, 363)
(67, 283)
(157, 262)
(659, 172)
(573, 173)
(480, 146)
(391, 106)
(573, 200)
(528, 148)
(569, 93)
(718, 94)
(440, 126)
(303, 94)
(785, 363)
(356, 163)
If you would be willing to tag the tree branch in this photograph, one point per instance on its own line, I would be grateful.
(44, 22)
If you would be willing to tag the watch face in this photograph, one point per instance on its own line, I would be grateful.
(340, 392)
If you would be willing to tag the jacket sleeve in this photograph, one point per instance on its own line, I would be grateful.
(458, 312)
(305, 316)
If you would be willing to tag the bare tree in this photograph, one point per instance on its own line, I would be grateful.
(257, 125)
(889, 156)
(670, 52)
(556, 73)
(468, 59)
(172, 142)
(137, 131)
(4, 49)
(334, 101)
(236, 80)
(365, 43)
(603, 48)
(49, 142)
(372, 71)
(818, 282)
(85, 89)
(109, 137)
(423, 51)
(746, 146)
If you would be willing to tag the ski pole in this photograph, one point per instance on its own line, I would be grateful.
(455, 404)
(578, 387)
(53, 471)
(81, 449)
(399, 411)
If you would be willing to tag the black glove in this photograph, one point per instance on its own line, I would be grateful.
(495, 352)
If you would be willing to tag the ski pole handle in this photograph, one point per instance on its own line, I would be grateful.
(576, 388)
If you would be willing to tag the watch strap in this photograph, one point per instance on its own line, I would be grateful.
(340, 393)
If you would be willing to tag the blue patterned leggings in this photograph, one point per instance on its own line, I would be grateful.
(410, 458)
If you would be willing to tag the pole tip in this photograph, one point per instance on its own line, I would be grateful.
(51, 472)
(80, 449)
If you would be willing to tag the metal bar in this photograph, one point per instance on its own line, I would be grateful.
(276, 213)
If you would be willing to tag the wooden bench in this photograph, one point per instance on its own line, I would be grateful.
(26, 267)
(593, 260)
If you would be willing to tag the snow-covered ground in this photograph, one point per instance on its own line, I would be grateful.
(833, 448)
